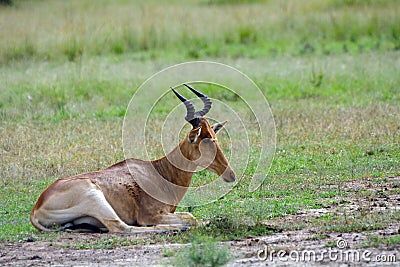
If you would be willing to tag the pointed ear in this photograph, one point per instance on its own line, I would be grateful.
(218, 126)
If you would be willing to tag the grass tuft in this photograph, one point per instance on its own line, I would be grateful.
(202, 251)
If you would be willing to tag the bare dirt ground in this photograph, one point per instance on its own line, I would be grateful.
(305, 246)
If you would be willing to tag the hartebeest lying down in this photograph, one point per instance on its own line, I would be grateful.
(112, 200)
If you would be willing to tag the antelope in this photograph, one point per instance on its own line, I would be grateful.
(114, 199)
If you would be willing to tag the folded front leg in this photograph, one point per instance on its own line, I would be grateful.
(182, 218)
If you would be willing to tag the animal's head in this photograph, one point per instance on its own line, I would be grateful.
(201, 142)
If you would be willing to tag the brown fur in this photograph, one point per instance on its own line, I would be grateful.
(112, 198)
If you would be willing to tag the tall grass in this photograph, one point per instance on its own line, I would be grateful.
(50, 29)
(101, 87)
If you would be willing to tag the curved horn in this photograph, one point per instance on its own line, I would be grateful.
(207, 102)
(189, 106)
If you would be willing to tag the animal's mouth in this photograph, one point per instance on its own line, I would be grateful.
(229, 176)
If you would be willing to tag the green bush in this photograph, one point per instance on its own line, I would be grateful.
(203, 251)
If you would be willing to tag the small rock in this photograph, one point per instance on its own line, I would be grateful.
(36, 257)
(29, 239)
(382, 204)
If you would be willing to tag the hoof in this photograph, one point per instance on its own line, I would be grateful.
(185, 228)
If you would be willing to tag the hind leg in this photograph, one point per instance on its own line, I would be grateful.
(76, 201)
(68, 200)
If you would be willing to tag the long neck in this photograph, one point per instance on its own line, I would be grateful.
(176, 166)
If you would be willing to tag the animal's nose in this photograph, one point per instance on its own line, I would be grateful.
(232, 176)
(229, 177)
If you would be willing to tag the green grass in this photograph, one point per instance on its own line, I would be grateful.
(376, 241)
(202, 252)
(59, 30)
(328, 68)
(104, 243)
